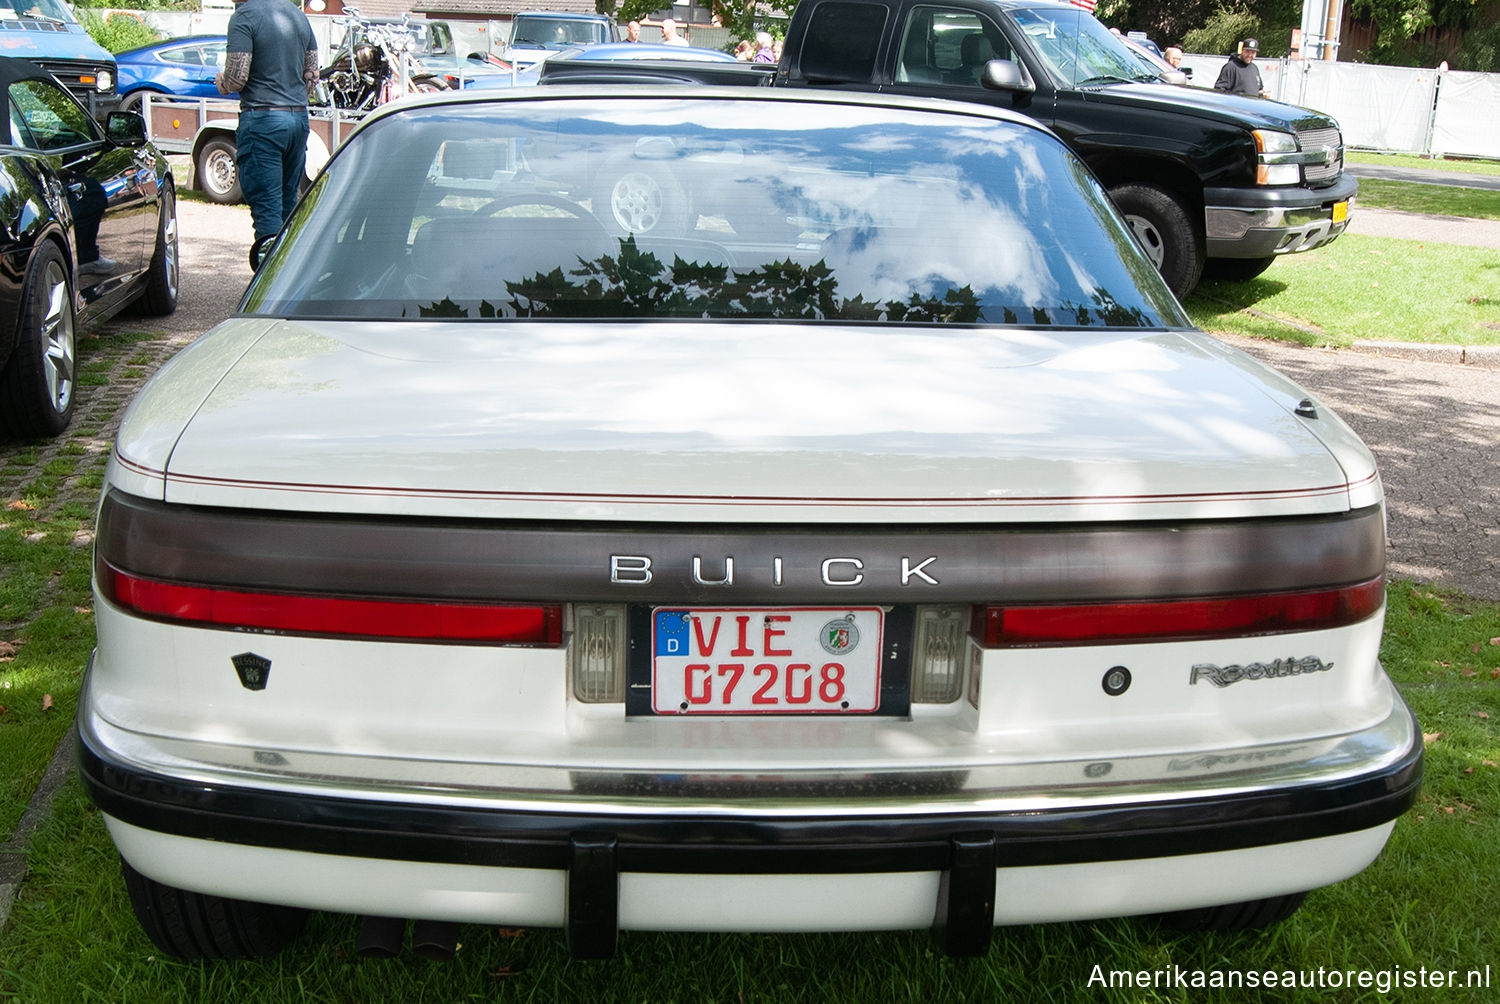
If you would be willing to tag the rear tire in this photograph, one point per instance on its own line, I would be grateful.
(1165, 231)
(38, 383)
(1236, 269)
(193, 925)
(159, 296)
(1248, 916)
(216, 173)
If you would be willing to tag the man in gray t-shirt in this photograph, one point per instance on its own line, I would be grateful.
(272, 60)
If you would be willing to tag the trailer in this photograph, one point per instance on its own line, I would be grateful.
(204, 128)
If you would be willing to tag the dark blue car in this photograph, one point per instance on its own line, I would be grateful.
(182, 66)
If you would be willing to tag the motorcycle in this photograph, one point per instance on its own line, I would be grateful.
(373, 64)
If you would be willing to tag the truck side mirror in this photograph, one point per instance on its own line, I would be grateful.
(1005, 75)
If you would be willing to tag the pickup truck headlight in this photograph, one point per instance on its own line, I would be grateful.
(1277, 162)
(104, 81)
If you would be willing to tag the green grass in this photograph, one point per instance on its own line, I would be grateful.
(1427, 901)
(1362, 287)
(48, 493)
(1439, 200)
(1424, 163)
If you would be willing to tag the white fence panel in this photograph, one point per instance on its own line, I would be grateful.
(1377, 107)
(1468, 108)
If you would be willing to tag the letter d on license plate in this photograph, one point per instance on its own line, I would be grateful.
(782, 661)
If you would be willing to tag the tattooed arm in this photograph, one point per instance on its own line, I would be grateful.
(236, 72)
(310, 71)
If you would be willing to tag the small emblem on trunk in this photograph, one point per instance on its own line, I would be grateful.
(253, 669)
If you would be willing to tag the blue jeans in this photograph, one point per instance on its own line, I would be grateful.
(270, 154)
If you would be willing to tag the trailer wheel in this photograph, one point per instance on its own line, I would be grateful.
(216, 174)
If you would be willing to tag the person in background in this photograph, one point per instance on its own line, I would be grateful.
(745, 51)
(1173, 56)
(1240, 75)
(272, 60)
(763, 48)
(633, 31)
(669, 34)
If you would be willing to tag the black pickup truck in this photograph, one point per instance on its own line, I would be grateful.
(1212, 184)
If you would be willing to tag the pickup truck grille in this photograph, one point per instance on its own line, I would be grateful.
(1317, 139)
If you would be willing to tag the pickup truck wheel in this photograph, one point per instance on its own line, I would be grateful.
(1236, 269)
(159, 297)
(1248, 916)
(631, 199)
(218, 177)
(193, 925)
(1164, 229)
(37, 384)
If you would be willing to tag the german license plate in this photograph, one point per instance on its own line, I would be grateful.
(1340, 212)
(782, 661)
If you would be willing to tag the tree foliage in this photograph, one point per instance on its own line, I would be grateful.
(117, 32)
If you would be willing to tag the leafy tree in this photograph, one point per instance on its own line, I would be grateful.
(117, 32)
(1226, 28)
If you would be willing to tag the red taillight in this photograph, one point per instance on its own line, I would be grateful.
(412, 620)
(1095, 623)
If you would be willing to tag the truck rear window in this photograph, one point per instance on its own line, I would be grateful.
(842, 41)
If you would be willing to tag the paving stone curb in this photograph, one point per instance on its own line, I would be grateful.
(1487, 356)
(14, 852)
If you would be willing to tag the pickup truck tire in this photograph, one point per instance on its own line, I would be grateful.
(1236, 269)
(1163, 227)
(634, 199)
(37, 384)
(159, 297)
(217, 176)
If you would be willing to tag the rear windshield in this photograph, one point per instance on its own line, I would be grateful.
(635, 208)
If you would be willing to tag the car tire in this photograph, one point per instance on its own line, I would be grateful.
(159, 295)
(135, 101)
(1248, 916)
(1236, 269)
(1164, 229)
(216, 174)
(38, 383)
(193, 925)
(645, 200)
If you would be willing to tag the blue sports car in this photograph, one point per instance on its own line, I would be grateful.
(183, 66)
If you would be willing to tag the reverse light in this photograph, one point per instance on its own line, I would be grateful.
(1276, 158)
(938, 654)
(334, 616)
(596, 653)
(1230, 616)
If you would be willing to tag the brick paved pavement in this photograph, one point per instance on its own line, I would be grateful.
(1435, 431)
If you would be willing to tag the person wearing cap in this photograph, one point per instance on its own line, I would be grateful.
(1240, 75)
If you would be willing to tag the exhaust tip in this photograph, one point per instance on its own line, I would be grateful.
(379, 937)
(434, 940)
